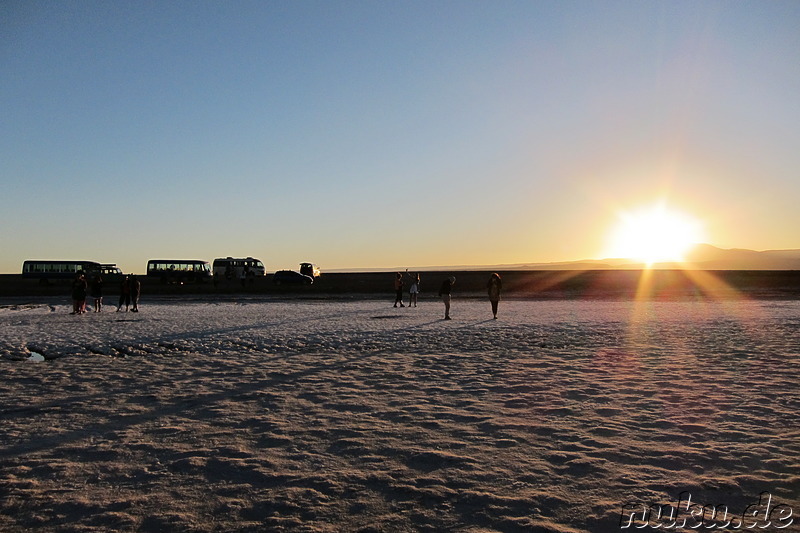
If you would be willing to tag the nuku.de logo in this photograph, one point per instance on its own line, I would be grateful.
(687, 515)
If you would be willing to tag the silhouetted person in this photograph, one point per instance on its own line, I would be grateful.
(494, 287)
(124, 294)
(96, 290)
(444, 292)
(413, 291)
(79, 289)
(398, 290)
(136, 290)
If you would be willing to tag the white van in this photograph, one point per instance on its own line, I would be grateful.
(231, 268)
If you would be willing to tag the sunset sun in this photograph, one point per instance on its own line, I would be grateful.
(654, 234)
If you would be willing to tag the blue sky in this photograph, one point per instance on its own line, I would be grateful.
(391, 134)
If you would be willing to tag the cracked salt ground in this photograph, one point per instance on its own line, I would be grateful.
(287, 416)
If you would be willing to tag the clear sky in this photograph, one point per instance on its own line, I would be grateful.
(376, 134)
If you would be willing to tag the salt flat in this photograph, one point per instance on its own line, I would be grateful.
(278, 415)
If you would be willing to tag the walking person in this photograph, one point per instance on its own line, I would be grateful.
(96, 290)
(398, 290)
(494, 287)
(444, 292)
(136, 289)
(413, 291)
(124, 294)
(79, 289)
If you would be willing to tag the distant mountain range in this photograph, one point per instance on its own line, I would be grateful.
(701, 257)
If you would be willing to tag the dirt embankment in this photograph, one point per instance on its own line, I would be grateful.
(597, 284)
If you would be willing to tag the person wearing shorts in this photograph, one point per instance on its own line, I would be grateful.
(96, 290)
(413, 291)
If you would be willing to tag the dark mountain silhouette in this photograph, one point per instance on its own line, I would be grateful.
(705, 256)
(701, 257)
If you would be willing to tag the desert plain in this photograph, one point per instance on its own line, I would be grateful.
(271, 413)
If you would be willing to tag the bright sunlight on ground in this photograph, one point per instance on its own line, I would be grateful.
(654, 234)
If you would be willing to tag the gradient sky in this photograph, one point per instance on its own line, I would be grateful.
(377, 134)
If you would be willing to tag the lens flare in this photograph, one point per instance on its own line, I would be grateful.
(654, 235)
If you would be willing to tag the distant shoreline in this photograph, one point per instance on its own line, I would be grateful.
(530, 284)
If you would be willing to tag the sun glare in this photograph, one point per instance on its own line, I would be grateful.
(654, 234)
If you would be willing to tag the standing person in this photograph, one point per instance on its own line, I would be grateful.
(79, 294)
(413, 291)
(135, 287)
(494, 286)
(398, 290)
(96, 290)
(444, 292)
(124, 294)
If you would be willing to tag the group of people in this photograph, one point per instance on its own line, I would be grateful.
(494, 287)
(130, 289)
(413, 290)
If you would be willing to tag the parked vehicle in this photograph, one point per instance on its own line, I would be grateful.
(231, 268)
(110, 271)
(290, 277)
(309, 269)
(179, 270)
(45, 271)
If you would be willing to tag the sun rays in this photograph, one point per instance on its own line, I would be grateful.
(660, 236)
(654, 234)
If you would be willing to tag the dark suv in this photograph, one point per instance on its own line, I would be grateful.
(289, 277)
